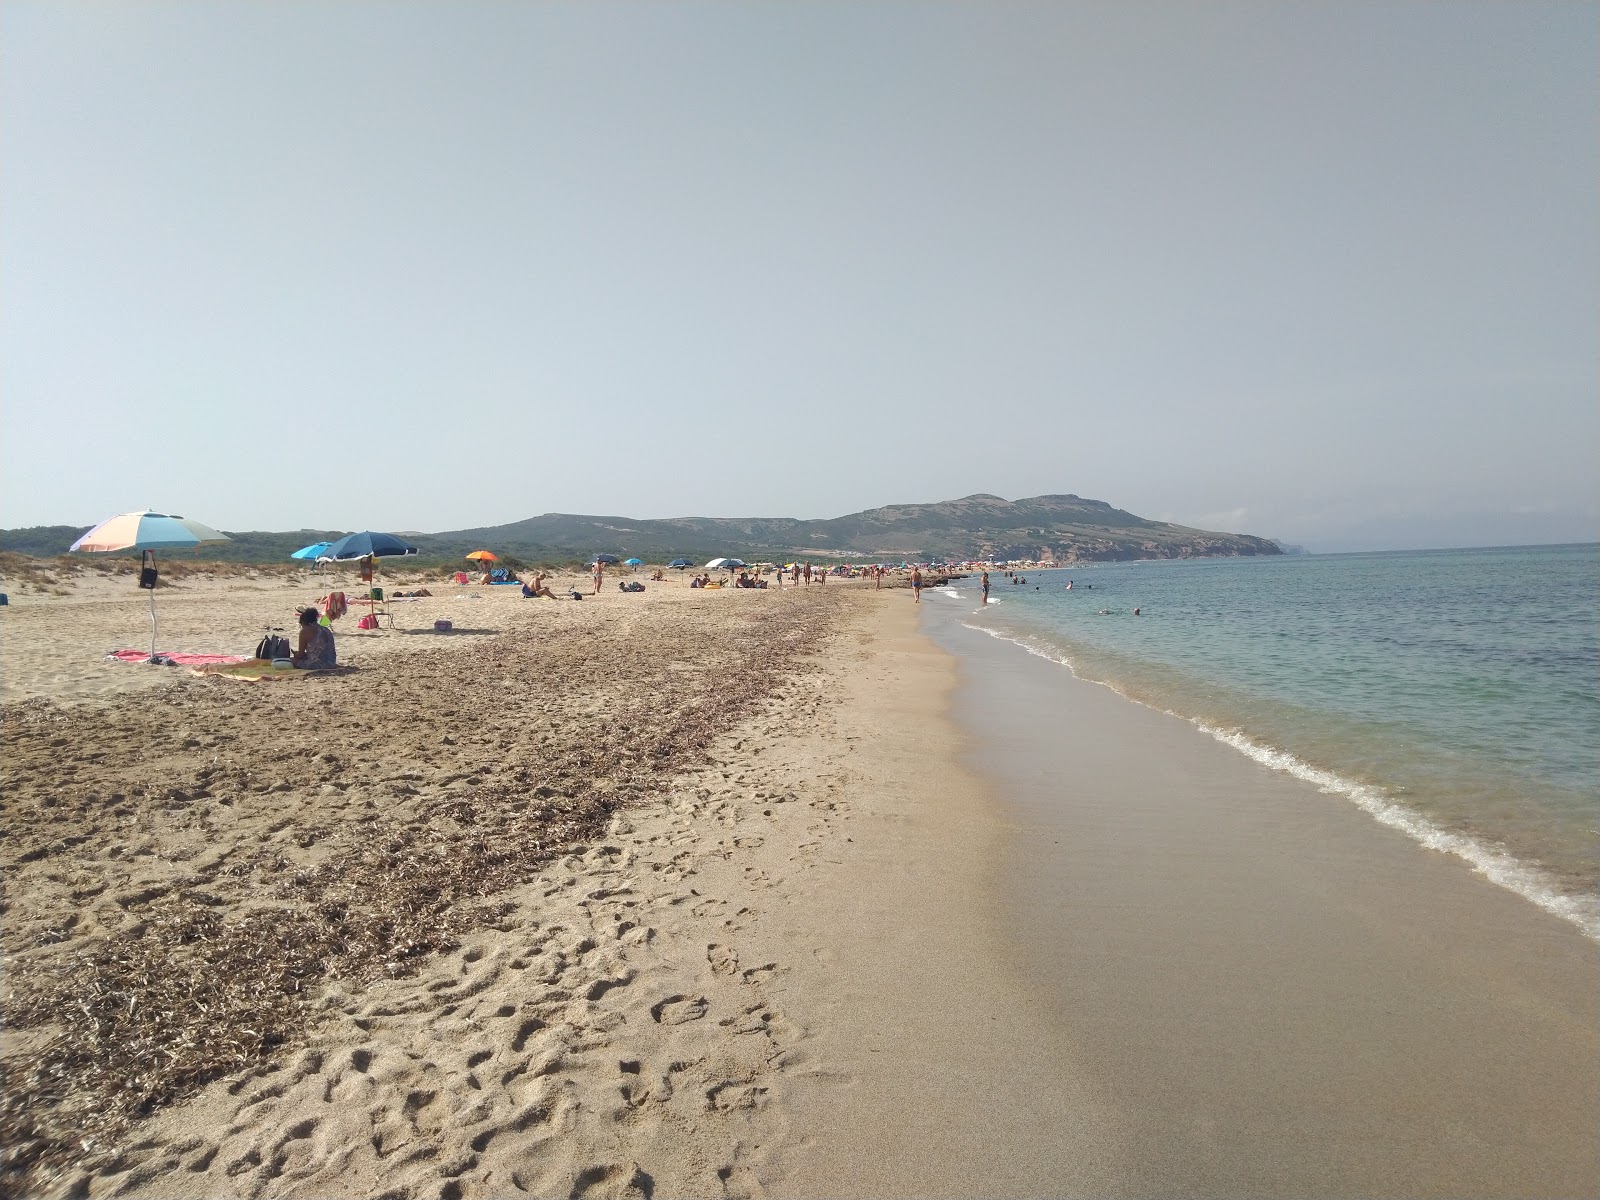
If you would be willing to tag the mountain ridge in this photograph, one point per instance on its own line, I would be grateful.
(1061, 526)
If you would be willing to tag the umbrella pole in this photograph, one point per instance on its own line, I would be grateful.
(152, 617)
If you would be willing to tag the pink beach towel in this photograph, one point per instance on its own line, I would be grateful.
(178, 658)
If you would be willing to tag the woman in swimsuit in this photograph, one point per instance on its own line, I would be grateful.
(316, 652)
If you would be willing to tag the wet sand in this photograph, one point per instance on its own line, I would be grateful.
(1271, 993)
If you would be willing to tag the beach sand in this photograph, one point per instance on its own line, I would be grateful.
(677, 894)
(619, 897)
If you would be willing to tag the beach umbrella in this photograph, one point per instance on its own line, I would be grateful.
(315, 550)
(724, 563)
(609, 559)
(633, 562)
(369, 545)
(483, 556)
(680, 563)
(149, 532)
(146, 530)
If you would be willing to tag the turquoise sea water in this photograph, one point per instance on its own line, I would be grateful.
(1452, 693)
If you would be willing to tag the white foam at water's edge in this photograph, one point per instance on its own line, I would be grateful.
(1530, 883)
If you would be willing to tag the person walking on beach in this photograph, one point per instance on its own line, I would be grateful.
(916, 585)
(599, 575)
(986, 587)
(808, 572)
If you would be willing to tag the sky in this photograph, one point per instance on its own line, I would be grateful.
(1328, 273)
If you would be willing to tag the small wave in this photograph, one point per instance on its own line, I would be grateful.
(1530, 883)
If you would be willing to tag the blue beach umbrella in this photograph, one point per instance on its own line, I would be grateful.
(609, 559)
(633, 562)
(315, 550)
(680, 563)
(368, 545)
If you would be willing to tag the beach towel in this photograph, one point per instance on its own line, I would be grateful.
(178, 658)
(258, 670)
(335, 605)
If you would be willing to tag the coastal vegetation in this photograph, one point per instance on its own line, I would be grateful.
(1064, 528)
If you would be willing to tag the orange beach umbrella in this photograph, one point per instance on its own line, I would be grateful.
(483, 556)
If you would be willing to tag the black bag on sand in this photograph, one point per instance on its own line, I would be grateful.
(273, 646)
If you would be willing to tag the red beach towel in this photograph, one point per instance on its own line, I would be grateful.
(178, 658)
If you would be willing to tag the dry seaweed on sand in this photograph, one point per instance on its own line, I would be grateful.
(428, 792)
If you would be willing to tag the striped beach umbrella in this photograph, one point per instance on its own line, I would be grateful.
(147, 531)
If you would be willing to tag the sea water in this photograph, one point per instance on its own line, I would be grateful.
(1454, 694)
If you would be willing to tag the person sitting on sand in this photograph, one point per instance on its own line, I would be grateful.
(537, 588)
(316, 652)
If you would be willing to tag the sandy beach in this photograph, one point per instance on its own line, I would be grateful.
(708, 893)
(567, 903)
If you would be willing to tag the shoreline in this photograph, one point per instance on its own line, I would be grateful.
(1533, 883)
(840, 953)
(1467, 754)
(1289, 997)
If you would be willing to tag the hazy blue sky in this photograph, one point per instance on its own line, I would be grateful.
(1329, 273)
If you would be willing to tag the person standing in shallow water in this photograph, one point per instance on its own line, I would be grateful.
(986, 587)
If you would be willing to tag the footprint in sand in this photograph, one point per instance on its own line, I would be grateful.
(724, 960)
(678, 1010)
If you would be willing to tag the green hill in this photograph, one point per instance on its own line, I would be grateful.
(1070, 528)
